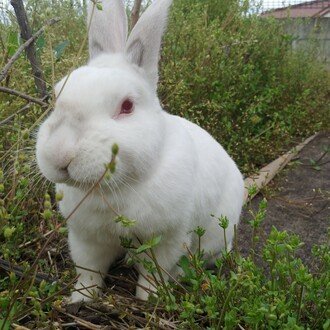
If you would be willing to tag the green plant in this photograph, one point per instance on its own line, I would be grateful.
(235, 75)
(230, 72)
(281, 294)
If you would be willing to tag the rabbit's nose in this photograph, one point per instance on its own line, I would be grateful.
(65, 168)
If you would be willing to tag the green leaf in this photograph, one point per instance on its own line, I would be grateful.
(5, 325)
(60, 48)
(185, 265)
(13, 43)
(155, 241)
(99, 6)
(149, 244)
(40, 43)
(142, 248)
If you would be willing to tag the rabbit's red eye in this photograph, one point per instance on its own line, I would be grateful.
(126, 107)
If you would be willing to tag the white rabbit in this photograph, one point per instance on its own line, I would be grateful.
(171, 175)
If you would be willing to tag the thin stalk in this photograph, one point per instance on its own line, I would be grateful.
(300, 301)
(225, 239)
(224, 308)
(160, 272)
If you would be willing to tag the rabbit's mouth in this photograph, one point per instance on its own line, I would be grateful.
(86, 184)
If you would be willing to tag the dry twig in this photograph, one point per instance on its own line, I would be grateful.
(26, 44)
(23, 96)
(26, 34)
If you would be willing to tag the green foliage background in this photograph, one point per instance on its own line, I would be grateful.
(237, 76)
(233, 73)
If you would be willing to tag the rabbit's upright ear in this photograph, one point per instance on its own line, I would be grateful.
(144, 42)
(107, 23)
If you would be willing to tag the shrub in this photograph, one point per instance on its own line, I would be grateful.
(236, 75)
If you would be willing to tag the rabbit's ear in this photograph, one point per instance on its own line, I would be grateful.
(144, 42)
(108, 27)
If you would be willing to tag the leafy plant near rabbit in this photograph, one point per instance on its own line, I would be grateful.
(170, 176)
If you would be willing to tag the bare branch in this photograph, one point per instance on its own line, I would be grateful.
(26, 44)
(23, 96)
(26, 34)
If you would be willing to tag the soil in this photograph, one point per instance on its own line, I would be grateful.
(298, 200)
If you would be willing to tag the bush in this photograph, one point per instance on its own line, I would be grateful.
(236, 75)
(231, 72)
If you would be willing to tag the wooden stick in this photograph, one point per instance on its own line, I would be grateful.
(23, 96)
(268, 172)
(26, 44)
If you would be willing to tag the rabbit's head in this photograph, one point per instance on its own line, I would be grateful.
(111, 100)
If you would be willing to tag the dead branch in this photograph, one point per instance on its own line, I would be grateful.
(268, 172)
(26, 34)
(23, 96)
(86, 324)
(135, 15)
(23, 47)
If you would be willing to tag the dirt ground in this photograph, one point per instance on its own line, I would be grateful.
(298, 200)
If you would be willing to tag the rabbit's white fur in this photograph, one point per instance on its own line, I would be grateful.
(171, 175)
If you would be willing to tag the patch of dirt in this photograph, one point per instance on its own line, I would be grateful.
(299, 201)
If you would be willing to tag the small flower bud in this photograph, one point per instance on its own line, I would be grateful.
(47, 214)
(47, 205)
(25, 134)
(8, 232)
(63, 230)
(59, 196)
(115, 149)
